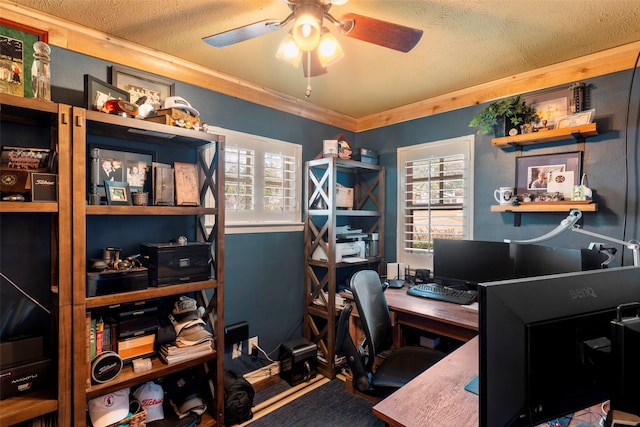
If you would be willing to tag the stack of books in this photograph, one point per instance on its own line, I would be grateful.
(177, 352)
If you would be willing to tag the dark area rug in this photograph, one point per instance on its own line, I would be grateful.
(327, 405)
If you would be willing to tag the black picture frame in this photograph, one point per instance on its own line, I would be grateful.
(528, 168)
(118, 193)
(128, 168)
(97, 92)
(138, 84)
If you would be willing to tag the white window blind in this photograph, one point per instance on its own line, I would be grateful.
(263, 180)
(435, 196)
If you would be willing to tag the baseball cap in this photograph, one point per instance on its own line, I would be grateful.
(180, 103)
(183, 394)
(151, 397)
(110, 408)
(185, 305)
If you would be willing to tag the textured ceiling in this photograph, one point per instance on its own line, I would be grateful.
(465, 42)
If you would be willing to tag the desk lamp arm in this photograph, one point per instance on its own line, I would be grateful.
(633, 245)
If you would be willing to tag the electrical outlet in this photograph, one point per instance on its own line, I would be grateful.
(253, 345)
(236, 351)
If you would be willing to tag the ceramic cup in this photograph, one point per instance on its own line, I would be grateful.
(504, 195)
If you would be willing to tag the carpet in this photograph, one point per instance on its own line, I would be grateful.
(327, 405)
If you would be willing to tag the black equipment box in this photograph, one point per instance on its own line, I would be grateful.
(365, 155)
(173, 263)
(113, 282)
(137, 321)
(20, 351)
(22, 379)
(625, 352)
(298, 361)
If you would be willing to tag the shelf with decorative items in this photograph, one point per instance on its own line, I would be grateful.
(192, 233)
(343, 233)
(38, 227)
(559, 206)
(579, 133)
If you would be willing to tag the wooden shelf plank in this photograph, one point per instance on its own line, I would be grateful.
(25, 407)
(25, 207)
(546, 207)
(575, 132)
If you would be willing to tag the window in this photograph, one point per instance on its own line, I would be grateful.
(435, 196)
(263, 182)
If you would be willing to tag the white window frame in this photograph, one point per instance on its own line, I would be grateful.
(260, 220)
(433, 150)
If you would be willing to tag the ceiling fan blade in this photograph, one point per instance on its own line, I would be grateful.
(312, 67)
(241, 34)
(382, 33)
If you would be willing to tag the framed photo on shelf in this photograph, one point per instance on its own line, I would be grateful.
(138, 84)
(16, 44)
(577, 119)
(118, 193)
(549, 106)
(533, 172)
(109, 164)
(97, 92)
(187, 188)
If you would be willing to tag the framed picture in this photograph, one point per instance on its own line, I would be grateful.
(187, 188)
(139, 84)
(97, 92)
(533, 172)
(109, 164)
(577, 119)
(118, 193)
(16, 58)
(549, 106)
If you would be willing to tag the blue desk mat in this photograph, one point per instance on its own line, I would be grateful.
(472, 385)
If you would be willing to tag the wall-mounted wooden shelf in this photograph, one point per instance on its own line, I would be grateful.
(584, 206)
(578, 133)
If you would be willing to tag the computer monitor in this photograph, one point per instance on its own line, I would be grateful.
(544, 343)
(468, 262)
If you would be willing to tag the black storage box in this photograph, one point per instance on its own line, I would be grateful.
(20, 351)
(113, 282)
(137, 322)
(365, 155)
(172, 263)
(21, 379)
(298, 361)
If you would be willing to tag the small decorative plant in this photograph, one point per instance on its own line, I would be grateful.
(513, 109)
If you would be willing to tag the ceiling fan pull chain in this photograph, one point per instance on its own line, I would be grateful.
(307, 92)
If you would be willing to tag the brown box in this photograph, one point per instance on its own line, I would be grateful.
(169, 116)
(132, 348)
(22, 379)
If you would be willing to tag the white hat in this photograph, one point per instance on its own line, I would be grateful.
(110, 408)
(151, 397)
(180, 103)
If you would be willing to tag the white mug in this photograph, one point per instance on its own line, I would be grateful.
(504, 195)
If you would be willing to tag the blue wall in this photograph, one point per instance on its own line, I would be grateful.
(264, 272)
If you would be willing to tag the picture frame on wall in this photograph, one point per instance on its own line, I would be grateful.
(139, 84)
(118, 193)
(549, 106)
(97, 92)
(16, 44)
(530, 170)
(577, 119)
(113, 165)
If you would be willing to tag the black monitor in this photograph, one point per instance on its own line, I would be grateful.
(468, 262)
(544, 343)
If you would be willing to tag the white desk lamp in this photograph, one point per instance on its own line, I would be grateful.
(569, 223)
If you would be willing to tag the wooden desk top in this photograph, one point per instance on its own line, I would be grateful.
(445, 312)
(437, 396)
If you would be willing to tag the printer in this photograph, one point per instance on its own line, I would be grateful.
(343, 251)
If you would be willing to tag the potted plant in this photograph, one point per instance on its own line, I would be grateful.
(505, 117)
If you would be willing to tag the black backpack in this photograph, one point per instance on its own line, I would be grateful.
(238, 398)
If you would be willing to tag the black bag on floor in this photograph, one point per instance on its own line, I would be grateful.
(238, 398)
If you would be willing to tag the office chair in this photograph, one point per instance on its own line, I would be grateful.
(401, 365)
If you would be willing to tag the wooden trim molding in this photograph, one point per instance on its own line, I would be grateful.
(87, 41)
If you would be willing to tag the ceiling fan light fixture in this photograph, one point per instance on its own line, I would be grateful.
(329, 50)
(307, 26)
(288, 51)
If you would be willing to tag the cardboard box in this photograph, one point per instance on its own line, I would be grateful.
(344, 197)
(172, 263)
(131, 348)
(22, 379)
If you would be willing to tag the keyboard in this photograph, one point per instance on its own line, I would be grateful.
(442, 293)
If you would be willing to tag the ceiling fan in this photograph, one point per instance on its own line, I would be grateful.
(308, 33)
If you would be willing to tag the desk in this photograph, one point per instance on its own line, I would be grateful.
(437, 396)
(444, 318)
